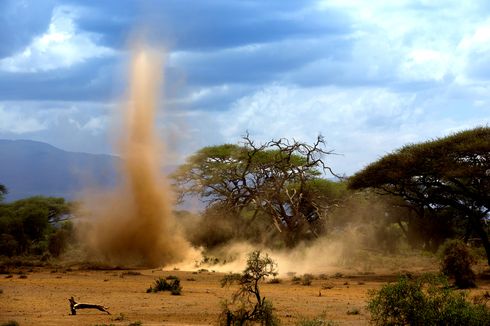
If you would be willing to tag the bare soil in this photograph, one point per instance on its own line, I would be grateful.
(41, 298)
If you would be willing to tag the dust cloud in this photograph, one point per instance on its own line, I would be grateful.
(133, 225)
(360, 235)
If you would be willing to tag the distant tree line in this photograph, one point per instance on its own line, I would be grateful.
(32, 226)
(277, 194)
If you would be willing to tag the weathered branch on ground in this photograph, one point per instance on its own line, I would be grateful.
(74, 306)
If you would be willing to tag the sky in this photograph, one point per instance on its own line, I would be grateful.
(370, 76)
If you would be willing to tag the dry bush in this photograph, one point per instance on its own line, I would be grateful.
(161, 284)
(248, 306)
(456, 261)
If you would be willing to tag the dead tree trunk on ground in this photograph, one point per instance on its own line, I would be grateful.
(74, 306)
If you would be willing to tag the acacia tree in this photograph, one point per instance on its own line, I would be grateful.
(279, 180)
(450, 174)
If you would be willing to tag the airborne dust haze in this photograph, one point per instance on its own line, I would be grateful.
(133, 224)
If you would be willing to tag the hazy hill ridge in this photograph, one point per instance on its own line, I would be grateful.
(29, 168)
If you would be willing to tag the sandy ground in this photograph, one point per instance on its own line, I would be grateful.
(42, 297)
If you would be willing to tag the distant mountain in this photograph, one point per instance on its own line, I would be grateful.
(30, 168)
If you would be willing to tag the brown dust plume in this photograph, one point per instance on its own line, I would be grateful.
(133, 225)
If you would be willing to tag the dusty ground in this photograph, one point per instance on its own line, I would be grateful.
(42, 297)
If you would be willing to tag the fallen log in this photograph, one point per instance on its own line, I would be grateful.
(74, 306)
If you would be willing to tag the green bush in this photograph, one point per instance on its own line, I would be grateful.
(428, 300)
(161, 284)
(456, 261)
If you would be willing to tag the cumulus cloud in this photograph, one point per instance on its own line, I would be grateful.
(369, 75)
(18, 123)
(359, 123)
(61, 46)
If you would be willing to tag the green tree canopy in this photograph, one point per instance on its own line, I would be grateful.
(279, 180)
(450, 173)
(26, 223)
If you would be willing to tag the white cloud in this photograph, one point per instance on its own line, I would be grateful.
(18, 123)
(94, 125)
(362, 124)
(61, 46)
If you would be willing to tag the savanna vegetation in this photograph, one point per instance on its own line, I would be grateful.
(34, 226)
(444, 182)
(273, 193)
(278, 194)
(432, 196)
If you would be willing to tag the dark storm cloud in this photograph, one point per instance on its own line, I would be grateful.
(20, 22)
(259, 63)
(210, 34)
(210, 25)
(89, 81)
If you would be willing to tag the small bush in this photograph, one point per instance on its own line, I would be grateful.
(121, 317)
(135, 323)
(247, 306)
(428, 300)
(162, 285)
(353, 311)
(306, 279)
(10, 323)
(129, 273)
(175, 287)
(456, 261)
(274, 281)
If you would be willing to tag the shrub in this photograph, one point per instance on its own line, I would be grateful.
(456, 261)
(10, 323)
(121, 317)
(306, 279)
(428, 300)
(274, 281)
(129, 273)
(247, 305)
(353, 311)
(135, 323)
(161, 284)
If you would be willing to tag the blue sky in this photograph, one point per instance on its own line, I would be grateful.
(370, 76)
